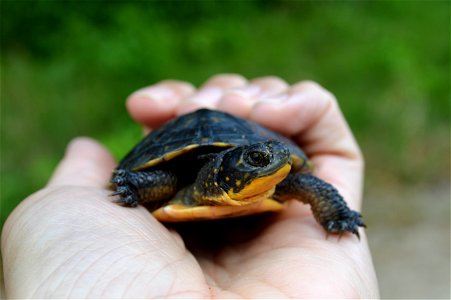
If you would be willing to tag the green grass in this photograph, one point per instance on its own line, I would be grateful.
(68, 66)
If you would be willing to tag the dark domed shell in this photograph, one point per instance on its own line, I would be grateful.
(194, 131)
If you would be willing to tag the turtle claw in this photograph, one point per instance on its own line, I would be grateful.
(356, 232)
(127, 197)
(129, 201)
(349, 222)
(115, 194)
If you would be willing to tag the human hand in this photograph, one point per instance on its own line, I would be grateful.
(70, 241)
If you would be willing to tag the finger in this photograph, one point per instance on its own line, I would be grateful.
(156, 104)
(239, 101)
(211, 92)
(308, 106)
(311, 116)
(86, 163)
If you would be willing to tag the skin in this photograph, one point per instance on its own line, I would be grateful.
(69, 240)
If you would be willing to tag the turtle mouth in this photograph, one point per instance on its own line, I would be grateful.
(260, 185)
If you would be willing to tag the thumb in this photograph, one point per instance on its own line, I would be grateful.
(86, 163)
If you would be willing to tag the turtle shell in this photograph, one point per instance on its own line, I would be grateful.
(202, 131)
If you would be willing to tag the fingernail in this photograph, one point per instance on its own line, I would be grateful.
(157, 93)
(209, 95)
(78, 143)
(275, 99)
(247, 91)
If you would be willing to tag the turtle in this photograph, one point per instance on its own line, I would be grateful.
(210, 164)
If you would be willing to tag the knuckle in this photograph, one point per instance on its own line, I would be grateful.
(182, 86)
(309, 86)
(226, 79)
(270, 79)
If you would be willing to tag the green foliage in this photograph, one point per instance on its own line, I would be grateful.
(68, 66)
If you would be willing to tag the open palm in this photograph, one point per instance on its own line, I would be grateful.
(71, 240)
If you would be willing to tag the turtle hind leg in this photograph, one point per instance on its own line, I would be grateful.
(328, 206)
(143, 187)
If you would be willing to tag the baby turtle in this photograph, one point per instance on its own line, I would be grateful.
(210, 164)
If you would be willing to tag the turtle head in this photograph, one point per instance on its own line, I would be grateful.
(250, 170)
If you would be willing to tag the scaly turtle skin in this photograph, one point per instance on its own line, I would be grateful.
(210, 164)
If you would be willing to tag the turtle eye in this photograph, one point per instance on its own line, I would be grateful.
(258, 158)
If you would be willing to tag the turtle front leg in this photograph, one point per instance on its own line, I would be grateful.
(328, 206)
(143, 186)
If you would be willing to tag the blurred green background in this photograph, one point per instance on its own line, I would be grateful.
(67, 68)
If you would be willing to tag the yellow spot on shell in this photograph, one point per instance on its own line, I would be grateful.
(215, 171)
(227, 178)
(238, 182)
(246, 175)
